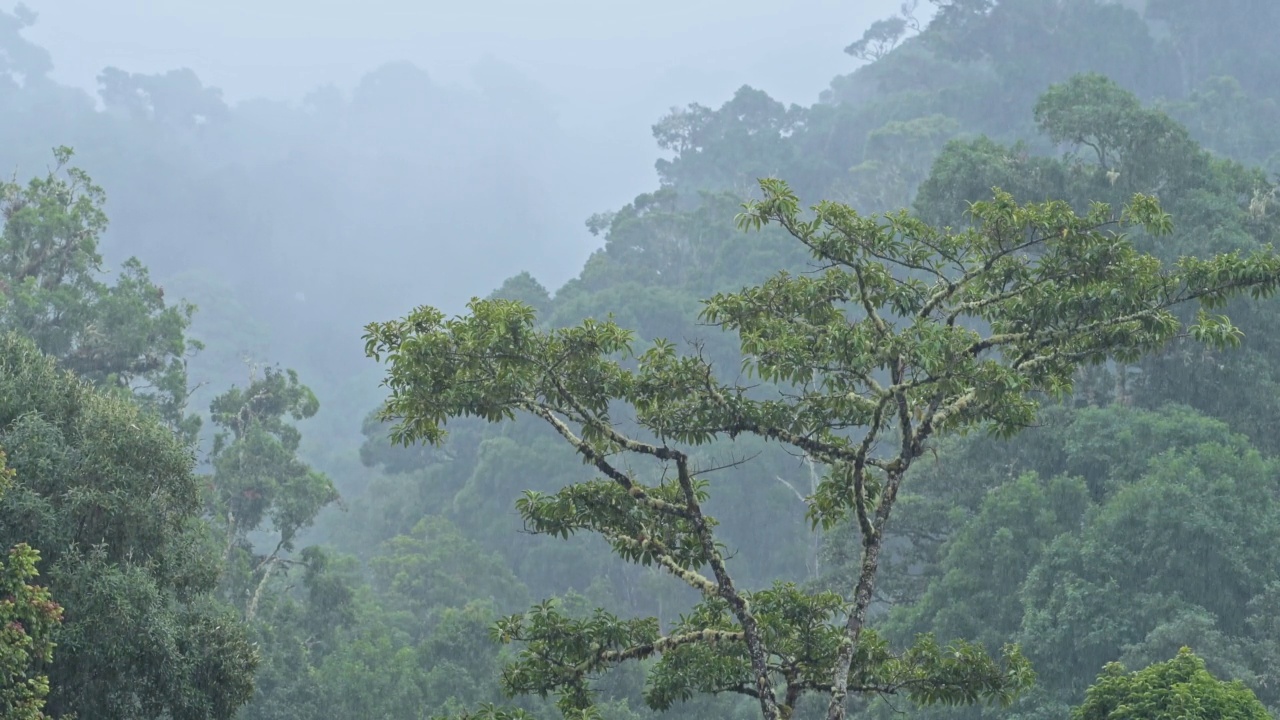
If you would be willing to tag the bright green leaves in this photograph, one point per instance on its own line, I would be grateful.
(28, 616)
(1055, 288)
(705, 653)
(1180, 688)
(640, 532)
(804, 636)
(560, 652)
(960, 673)
(488, 365)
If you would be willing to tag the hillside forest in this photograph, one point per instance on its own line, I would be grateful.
(951, 395)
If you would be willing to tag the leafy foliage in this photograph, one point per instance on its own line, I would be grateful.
(259, 484)
(1058, 541)
(108, 494)
(119, 336)
(28, 616)
(882, 340)
(1180, 687)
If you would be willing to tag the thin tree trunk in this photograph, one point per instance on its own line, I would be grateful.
(231, 538)
(268, 566)
(853, 628)
(865, 589)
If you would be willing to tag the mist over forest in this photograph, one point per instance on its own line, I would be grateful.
(713, 360)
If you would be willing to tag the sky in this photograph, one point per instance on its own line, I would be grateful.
(612, 68)
(582, 50)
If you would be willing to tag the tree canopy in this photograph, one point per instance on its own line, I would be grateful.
(107, 493)
(1095, 484)
(1180, 687)
(902, 332)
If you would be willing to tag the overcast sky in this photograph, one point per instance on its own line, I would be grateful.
(613, 69)
(583, 50)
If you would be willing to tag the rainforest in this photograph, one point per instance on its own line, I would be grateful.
(950, 393)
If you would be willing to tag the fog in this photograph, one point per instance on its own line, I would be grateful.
(606, 71)
(538, 116)
(650, 472)
(589, 54)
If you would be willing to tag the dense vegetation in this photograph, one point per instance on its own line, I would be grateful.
(216, 543)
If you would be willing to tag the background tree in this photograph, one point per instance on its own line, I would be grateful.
(1033, 541)
(120, 336)
(259, 485)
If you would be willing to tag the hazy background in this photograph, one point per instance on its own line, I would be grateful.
(299, 170)
(608, 70)
(589, 53)
(369, 159)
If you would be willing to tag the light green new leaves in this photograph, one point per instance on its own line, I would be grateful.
(1179, 688)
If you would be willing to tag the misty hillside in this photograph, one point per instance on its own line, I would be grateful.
(952, 390)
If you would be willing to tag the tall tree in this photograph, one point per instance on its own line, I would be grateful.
(122, 336)
(906, 332)
(259, 483)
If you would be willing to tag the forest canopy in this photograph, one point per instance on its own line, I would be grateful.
(949, 394)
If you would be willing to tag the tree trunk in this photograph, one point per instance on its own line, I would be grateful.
(853, 628)
(252, 610)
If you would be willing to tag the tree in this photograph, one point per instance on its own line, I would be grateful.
(1220, 115)
(1210, 39)
(176, 99)
(1185, 577)
(21, 62)
(899, 156)
(259, 483)
(1180, 688)
(1221, 207)
(28, 616)
(120, 336)
(108, 494)
(1137, 148)
(1033, 542)
(884, 35)
(905, 332)
(724, 149)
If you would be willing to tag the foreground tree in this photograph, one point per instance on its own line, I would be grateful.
(28, 616)
(1180, 688)
(903, 333)
(108, 495)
